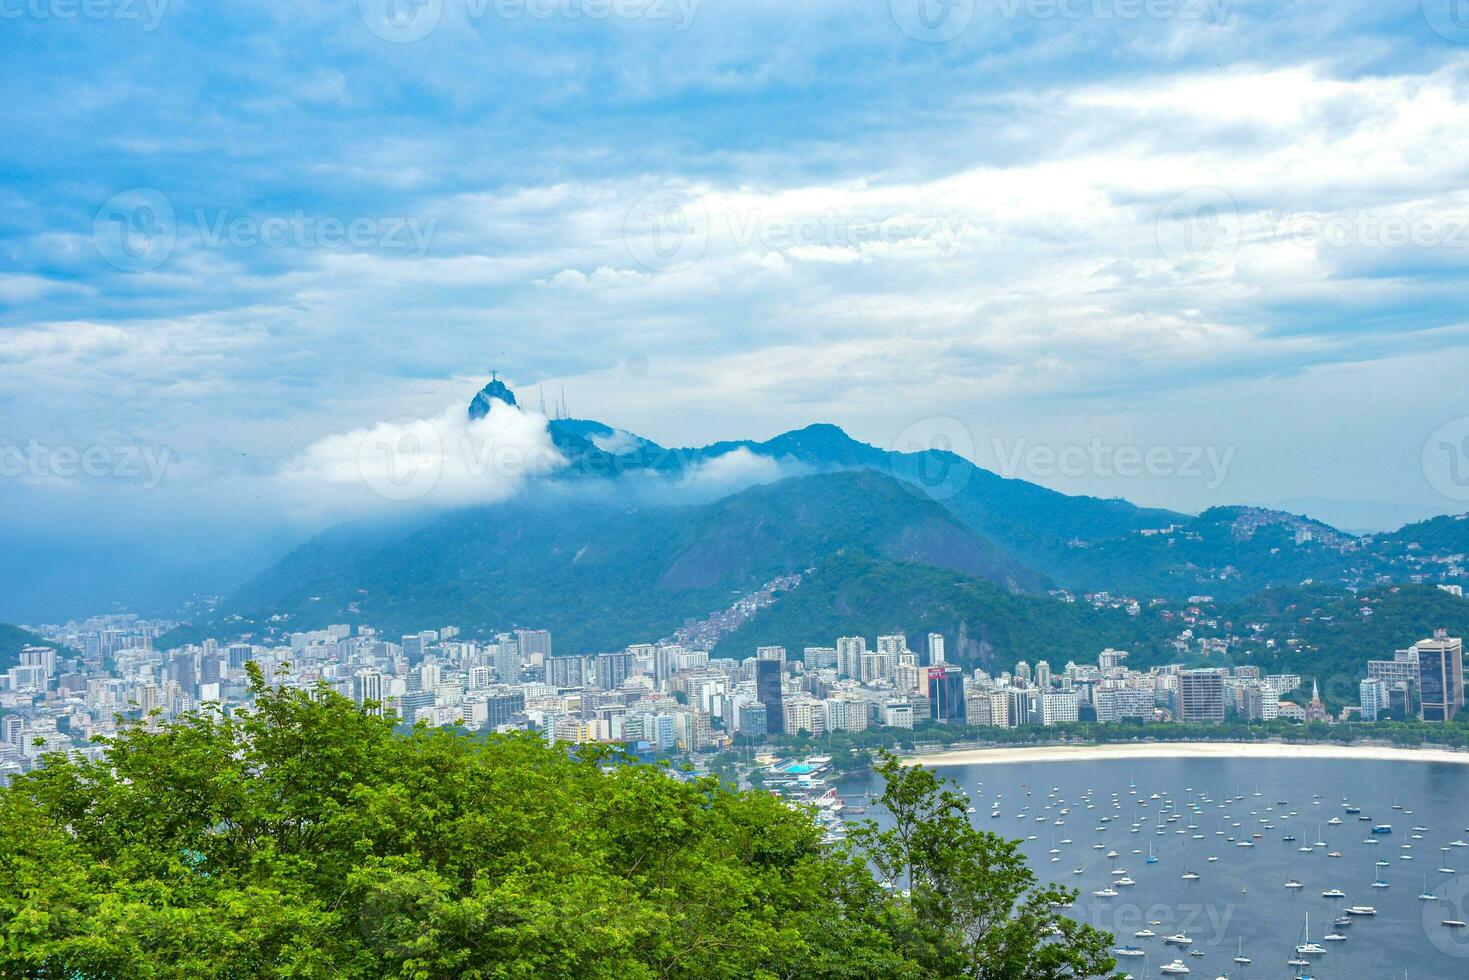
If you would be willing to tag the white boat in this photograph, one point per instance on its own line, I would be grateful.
(1239, 956)
(1179, 939)
(1360, 910)
(1144, 934)
(1333, 937)
(1333, 893)
(1305, 947)
(1128, 951)
(1177, 966)
(1106, 893)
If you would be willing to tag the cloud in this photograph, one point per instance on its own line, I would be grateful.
(446, 460)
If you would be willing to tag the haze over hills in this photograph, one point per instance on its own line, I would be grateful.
(591, 555)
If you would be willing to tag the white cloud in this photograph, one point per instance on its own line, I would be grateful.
(443, 461)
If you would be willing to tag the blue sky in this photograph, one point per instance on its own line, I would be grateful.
(233, 230)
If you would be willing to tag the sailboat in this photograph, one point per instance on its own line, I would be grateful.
(1378, 882)
(1305, 947)
(1426, 895)
(1240, 956)
(1152, 858)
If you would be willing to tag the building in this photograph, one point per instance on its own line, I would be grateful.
(1058, 707)
(946, 695)
(936, 649)
(897, 714)
(613, 669)
(1373, 699)
(1200, 696)
(770, 691)
(565, 673)
(1440, 678)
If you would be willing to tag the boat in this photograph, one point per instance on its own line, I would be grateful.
(1360, 910)
(1128, 951)
(1240, 957)
(1106, 893)
(1382, 828)
(1333, 937)
(1454, 923)
(1333, 893)
(1177, 966)
(1144, 934)
(1179, 939)
(1305, 947)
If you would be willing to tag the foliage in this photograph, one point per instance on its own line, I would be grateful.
(973, 908)
(306, 838)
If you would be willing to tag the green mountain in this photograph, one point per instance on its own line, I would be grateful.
(983, 625)
(600, 576)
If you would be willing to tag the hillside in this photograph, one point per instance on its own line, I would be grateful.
(1336, 632)
(12, 639)
(601, 576)
(983, 626)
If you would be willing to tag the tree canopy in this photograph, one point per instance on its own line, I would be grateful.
(307, 838)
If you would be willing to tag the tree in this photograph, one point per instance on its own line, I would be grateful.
(306, 838)
(968, 905)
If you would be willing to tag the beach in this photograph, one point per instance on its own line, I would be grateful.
(1175, 750)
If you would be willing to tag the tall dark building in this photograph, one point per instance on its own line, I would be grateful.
(769, 692)
(946, 695)
(1440, 678)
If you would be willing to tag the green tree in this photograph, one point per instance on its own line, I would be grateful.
(306, 838)
(968, 905)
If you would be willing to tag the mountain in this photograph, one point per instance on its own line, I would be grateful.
(601, 575)
(12, 639)
(855, 594)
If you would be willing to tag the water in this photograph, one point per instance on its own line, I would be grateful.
(1241, 898)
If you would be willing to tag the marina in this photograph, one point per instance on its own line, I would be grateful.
(1205, 845)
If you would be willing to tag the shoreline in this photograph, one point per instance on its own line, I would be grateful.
(1114, 751)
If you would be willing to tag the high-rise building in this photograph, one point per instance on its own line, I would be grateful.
(1042, 675)
(369, 689)
(769, 690)
(1200, 696)
(613, 669)
(849, 655)
(1440, 678)
(565, 673)
(946, 694)
(1058, 707)
(1022, 673)
(936, 649)
(506, 652)
(535, 645)
(1374, 700)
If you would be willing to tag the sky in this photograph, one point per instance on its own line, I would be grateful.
(1227, 238)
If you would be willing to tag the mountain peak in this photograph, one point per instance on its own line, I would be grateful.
(495, 391)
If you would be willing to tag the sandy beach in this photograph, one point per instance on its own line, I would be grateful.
(1174, 750)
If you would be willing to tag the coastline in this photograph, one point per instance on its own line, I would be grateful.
(1103, 752)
